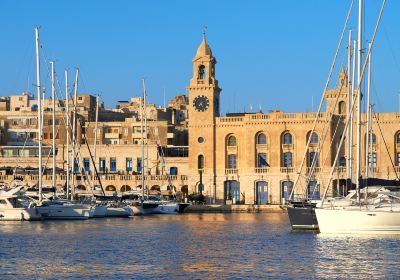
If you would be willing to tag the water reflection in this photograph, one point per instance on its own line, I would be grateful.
(196, 246)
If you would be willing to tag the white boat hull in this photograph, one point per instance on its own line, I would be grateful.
(112, 212)
(20, 214)
(63, 212)
(99, 211)
(138, 210)
(355, 220)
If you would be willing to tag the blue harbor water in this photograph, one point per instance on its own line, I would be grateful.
(190, 246)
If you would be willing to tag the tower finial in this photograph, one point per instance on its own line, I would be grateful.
(204, 31)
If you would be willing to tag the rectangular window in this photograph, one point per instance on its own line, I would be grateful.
(398, 159)
(371, 160)
(102, 165)
(139, 165)
(262, 160)
(232, 161)
(313, 191)
(313, 156)
(287, 159)
(128, 164)
(126, 131)
(76, 166)
(86, 164)
(113, 165)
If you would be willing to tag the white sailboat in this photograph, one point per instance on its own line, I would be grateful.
(143, 206)
(365, 216)
(52, 209)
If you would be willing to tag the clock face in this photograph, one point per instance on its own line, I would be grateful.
(201, 103)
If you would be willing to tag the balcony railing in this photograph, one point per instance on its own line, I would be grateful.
(340, 169)
(261, 169)
(287, 169)
(229, 171)
(315, 169)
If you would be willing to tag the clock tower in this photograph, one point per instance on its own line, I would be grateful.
(203, 110)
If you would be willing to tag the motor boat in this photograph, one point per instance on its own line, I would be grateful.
(13, 206)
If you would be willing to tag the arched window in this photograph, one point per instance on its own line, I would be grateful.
(261, 139)
(342, 108)
(398, 137)
(232, 162)
(287, 139)
(314, 138)
(231, 141)
(202, 72)
(200, 162)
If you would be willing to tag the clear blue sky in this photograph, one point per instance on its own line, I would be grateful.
(275, 54)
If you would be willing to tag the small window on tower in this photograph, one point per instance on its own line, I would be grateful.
(202, 72)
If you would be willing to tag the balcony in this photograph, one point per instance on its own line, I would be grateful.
(230, 171)
(261, 170)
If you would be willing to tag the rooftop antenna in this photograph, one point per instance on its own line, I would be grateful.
(164, 97)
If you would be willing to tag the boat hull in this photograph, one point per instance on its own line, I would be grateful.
(100, 211)
(20, 214)
(117, 212)
(56, 212)
(302, 218)
(358, 221)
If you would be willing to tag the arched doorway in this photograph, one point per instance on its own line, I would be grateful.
(232, 191)
(111, 188)
(185, 189)
(261, 193)
(81, 188)
(125, 188)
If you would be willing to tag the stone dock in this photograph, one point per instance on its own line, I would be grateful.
(215, 208)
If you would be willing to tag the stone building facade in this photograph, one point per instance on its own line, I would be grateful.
(255, 158)
(250, 158)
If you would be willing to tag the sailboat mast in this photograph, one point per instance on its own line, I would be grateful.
(368, 138)
(145, 131)
(67, 128)
(74, 131)
(349, 97)
(352, 99)
(53, 97)
(359, 97)
(95, 127)
(142, 135)
(39, 97)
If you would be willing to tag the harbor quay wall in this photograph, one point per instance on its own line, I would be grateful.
(217, 208)
(112, 183)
